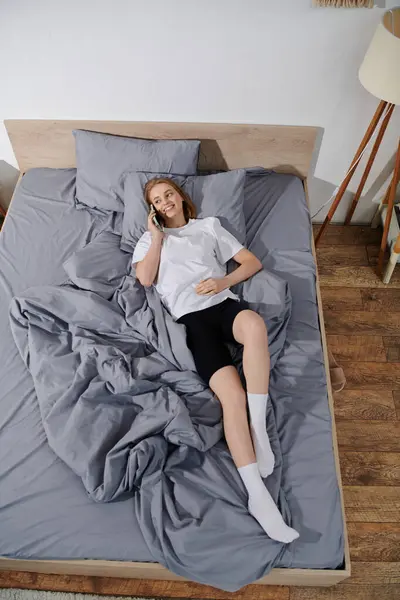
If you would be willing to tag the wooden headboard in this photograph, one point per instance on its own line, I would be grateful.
(289, 149)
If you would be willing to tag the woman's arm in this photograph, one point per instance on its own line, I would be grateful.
(147, 269)
(248, 266)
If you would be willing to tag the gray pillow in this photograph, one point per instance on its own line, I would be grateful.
(101, 159)
(220, 195)
(100, 266)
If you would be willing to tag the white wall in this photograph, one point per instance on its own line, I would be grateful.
(253, 61)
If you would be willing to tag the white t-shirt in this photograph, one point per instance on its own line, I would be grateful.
(198, 250)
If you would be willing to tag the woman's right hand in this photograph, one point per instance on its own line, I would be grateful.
(156, 234)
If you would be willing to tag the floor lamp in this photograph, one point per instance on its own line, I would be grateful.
(380, 75)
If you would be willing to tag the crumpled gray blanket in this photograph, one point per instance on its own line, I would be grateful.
(123, 407)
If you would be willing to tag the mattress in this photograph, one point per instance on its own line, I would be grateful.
(279, 232)
(44, 226)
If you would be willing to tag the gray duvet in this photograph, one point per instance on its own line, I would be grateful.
(122, 407)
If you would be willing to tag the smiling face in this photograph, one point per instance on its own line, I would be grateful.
(167, 201)
(172, 203)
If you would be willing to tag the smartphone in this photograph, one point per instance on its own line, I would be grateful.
(157, 220)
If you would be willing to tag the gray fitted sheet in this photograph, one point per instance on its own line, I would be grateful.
(279, 232)
(43, 228)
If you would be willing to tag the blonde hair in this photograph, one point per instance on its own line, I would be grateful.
(189, 209)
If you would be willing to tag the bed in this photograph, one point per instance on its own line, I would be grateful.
(74, 535)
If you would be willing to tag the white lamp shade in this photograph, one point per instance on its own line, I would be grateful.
(380, 71)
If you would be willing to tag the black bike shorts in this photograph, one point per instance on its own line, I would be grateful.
(207, 333)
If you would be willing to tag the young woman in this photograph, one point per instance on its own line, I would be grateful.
(186, 262)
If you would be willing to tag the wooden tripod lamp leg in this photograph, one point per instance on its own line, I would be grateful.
(392, 195)
(368, 134)
(376, 221)
(369, 164)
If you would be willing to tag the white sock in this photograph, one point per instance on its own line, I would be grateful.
(263, 508)
(258, 412)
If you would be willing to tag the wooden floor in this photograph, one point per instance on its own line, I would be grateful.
(362, 319)
(363, 325)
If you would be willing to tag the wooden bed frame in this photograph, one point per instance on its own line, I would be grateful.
(223, 146)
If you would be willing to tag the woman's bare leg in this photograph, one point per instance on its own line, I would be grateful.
(249, 329)
(226, 384)
(228, 388)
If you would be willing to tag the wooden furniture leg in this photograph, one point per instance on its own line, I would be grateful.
(392, 261)
(368, 134)
(392, 195)
(369, 164)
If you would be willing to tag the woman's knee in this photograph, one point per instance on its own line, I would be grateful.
(249, 326)
(228, 388)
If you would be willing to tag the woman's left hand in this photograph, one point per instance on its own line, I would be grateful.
(210, 287)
